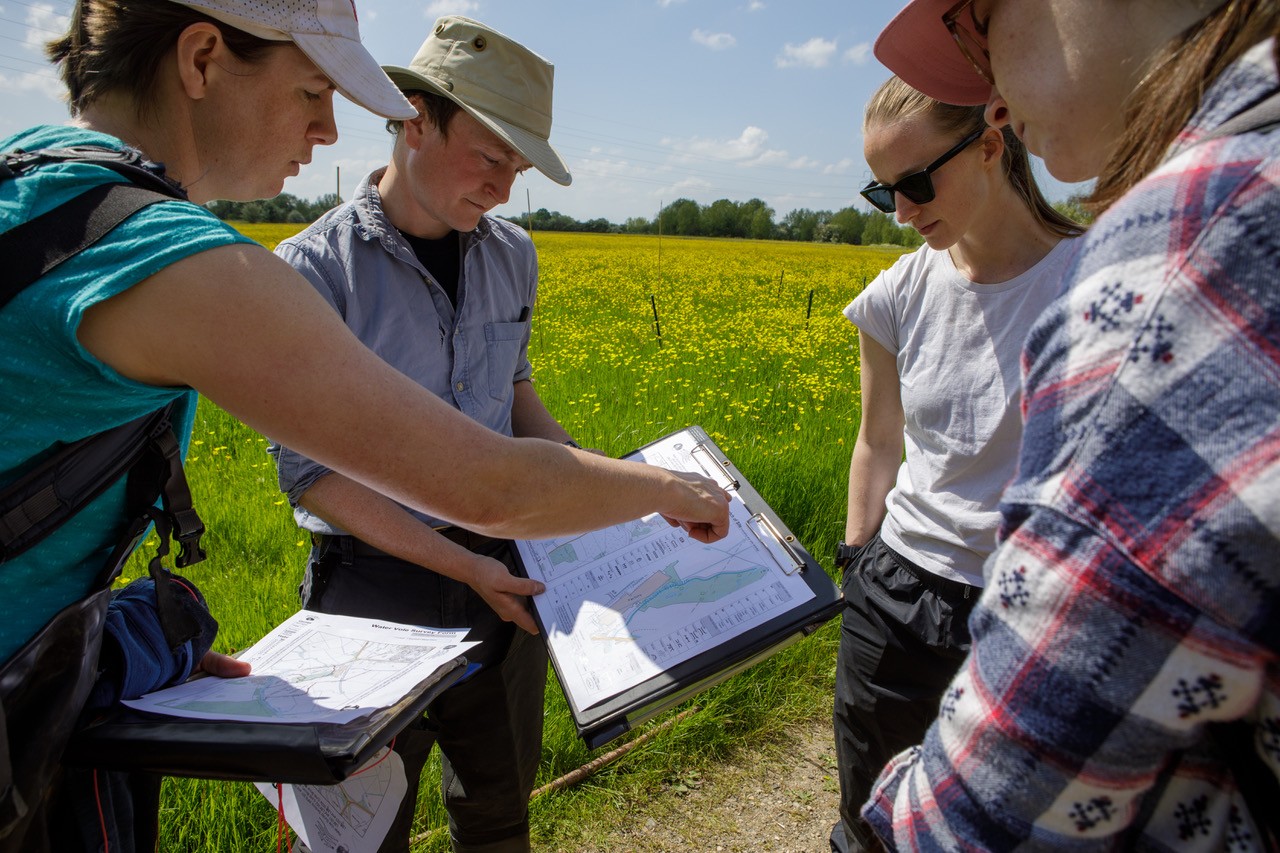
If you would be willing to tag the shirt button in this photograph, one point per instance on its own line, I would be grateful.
(461, 386)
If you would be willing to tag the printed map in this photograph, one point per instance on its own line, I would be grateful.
(625, 603)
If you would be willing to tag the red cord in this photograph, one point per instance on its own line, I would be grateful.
(191, 592)
(390, 746)
(102, 820)
(280, 821)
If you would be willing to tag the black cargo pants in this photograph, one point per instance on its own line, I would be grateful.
(489, 727)
(903, 635)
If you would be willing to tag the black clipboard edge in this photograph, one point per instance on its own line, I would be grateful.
(622, 722)
(300, 754)
(648, 699)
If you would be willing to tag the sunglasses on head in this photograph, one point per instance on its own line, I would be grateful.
(918, 186)
(970, 36)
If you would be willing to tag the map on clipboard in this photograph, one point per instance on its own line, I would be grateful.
(326, 694)
(640, 616)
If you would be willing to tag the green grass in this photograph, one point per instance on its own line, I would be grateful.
(777, 391)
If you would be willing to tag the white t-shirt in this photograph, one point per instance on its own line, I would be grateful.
(957, 346)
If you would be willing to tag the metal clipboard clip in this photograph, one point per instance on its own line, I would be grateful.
(717, 471)
(757, 523)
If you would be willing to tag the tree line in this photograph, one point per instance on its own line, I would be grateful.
(684, 217)
(282, 208)
(749, 220)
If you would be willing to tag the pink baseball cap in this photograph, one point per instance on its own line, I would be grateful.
(328, 33)
(917, 47)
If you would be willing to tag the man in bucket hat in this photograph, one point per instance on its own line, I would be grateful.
(443, 292)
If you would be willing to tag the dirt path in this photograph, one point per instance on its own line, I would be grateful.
(783, 799)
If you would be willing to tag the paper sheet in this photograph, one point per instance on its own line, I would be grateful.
(316, 667)
(350, 817)
(628, 602)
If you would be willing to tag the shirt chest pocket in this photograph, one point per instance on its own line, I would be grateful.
(503, 343)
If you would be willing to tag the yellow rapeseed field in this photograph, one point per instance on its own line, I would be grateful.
(742, 350)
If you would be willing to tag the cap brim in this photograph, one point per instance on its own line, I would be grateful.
(532, 147)
(356, 74)
(917, 47)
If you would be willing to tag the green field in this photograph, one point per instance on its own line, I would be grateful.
(741, 353)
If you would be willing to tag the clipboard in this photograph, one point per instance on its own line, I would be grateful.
(600, 720)
(297, 753)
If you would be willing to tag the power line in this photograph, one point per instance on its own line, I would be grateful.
(29, 72)
(43, 65)
(33, 27)
(67, 4)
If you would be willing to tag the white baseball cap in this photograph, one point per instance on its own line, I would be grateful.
(328, 33)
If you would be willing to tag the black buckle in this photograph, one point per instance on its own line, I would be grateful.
(188, 528)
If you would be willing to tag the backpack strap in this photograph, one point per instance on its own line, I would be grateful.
(37, 246)
(42, 499)
(145, 449)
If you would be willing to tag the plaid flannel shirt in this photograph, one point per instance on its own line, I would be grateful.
(1134, 596)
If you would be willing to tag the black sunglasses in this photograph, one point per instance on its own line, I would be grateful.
(918, 186)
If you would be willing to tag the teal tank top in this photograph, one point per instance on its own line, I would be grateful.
(53, 391)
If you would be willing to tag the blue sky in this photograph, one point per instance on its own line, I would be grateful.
(655, 99)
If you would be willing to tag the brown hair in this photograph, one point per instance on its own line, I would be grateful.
(437, 108)
(1166, 98)
(119, 44)
(895, 100)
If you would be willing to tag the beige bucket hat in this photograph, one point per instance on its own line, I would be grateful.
(499, 82)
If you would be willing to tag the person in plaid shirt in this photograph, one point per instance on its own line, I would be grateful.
(1133, 607)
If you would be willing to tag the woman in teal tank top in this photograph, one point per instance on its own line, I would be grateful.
(231, 96)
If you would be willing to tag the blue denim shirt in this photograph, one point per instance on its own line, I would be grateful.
(470, 357)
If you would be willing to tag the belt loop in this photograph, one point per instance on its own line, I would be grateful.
(348, 550)
(968, 590)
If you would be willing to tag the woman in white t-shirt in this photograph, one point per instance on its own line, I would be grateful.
(940, 335)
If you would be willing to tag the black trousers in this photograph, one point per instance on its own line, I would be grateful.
(903, 636)
(489, 727)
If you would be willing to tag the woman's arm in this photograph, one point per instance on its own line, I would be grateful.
(877, 453)
(243, 328)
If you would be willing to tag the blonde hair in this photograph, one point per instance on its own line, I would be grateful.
(1161, 105)
(895, 100)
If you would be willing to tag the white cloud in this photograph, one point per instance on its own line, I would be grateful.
(665, 3)
(689, 187)
(749, 149)
(840, 168)
(755, 6)
(437, 8)
(42, 83)
(815, 53)
(43, 23)
(715, 41)
(859, 54)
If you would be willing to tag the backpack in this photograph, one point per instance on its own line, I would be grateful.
(44, 685)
